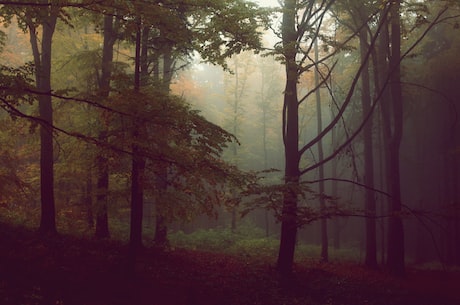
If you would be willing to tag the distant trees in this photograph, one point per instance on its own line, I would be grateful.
(437, 148)
(358, 23)
(236, 91)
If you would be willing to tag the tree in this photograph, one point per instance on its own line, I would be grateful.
(322, 201)
(297, 41)
(359, 14)
(267, 96)
(102, 188)
(393, 121)
(138, 161)
(370, 200)
(47, 18)
(301, 24)
(236, 86)
(291, 139)
(198, 27)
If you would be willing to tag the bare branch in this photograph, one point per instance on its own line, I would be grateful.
(348, 98)
(352, 182)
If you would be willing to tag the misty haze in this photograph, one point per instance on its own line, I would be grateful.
(229, 152)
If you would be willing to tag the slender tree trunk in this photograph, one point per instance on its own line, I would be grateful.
(43, 79)
(89, 198)
(264, 145)
(381, 71)
(383, 200)
(161, 228)
(336, 220)
(235, 106)
(264, 108)
(137, 196)
(395, 224)
(102, 222)
(371, 240)
(291, 139)
(138, 161)
(334, 185)
(322, 203)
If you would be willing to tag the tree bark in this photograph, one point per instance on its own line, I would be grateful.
(42, 62)
(370, 205)
(395, 225)
(322, 203)
(161, 228)
(102, 222)
(138, 161)
(381, 72)
(89, 198)
(291, 139)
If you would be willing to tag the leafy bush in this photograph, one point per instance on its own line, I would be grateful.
(246, 239)
(249, 241)
(211, 240)
(20, 216)
(256, 247)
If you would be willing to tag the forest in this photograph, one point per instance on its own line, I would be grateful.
(229, 152)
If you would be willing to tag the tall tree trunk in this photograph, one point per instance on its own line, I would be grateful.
(291, 140)
(102, 222)
(235, 107)
(89, 197)
(395, 225)
(322, 203)
(161, 228)
(371, 239)
(264, 146)
(42, 60)
(334, 185)
(265, 109)
(138, 161)
(336, 221)
(381, 71)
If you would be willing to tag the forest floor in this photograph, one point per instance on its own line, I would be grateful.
(65, 270)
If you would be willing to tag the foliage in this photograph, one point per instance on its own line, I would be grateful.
(176, 137)
(16, 88)
(211, 240)
(193, 145)
(11, 185)
(219, 37)
(267, 193)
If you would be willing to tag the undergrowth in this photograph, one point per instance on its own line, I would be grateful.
(249, 240)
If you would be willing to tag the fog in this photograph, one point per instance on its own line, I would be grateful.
(248, 102)
(226, 174)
